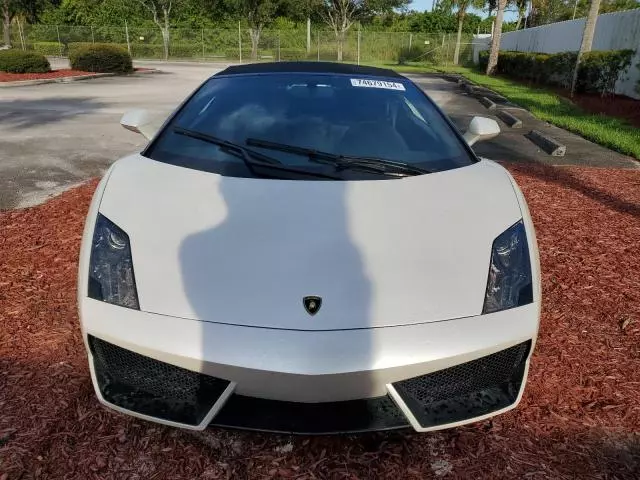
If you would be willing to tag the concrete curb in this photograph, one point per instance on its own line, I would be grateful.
(548, 144)
(450, 77)
(487, 103)
(77, 78)
(511, 120)
(468, 87)
(26, 83)
(147, 71)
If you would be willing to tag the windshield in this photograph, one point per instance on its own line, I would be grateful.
(373, 118)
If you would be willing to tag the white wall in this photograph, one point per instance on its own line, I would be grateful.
(480, 42)
(614, 31)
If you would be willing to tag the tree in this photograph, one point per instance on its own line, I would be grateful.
(580, 8)
(161, 12)
(302, 11)
(550, 11)
(430, 22)
(496, 38)
(587, 40)
(340, 15)
(258, 14)
(7, 16)
(462, 6)
(28, 9)
(521, 5)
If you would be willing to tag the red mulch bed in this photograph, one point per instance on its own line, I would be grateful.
(619, 106)
(580, 416)
(16, 77)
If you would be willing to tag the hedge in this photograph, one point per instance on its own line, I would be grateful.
(73, 47)
(19, 61)
(102, 58)
(417, 53)
(599, 70)
(147, 50)
(48, 48)
(293, 54)
(184, 51)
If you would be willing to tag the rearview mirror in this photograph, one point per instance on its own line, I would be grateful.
(140, 121)
(481, 128)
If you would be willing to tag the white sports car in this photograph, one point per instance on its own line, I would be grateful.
(312, 248)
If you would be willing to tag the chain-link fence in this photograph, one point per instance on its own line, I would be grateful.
(230, 45)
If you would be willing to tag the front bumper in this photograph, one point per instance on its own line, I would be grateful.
(429, 376)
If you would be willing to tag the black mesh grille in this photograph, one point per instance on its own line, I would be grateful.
(379, 413)
(468, 390)
(144, 385)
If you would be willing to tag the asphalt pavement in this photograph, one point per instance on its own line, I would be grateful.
(54, 136)
(512, 145)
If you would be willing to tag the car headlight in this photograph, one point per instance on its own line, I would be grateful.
(111, 276)
(510, 284)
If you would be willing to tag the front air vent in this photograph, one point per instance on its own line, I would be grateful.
(150, 387)
(468, 390)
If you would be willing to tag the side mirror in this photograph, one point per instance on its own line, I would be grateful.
(140, 121)
(481, 128)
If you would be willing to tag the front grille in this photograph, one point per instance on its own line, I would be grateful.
(150, 387)
(467, 390)
(379, 413)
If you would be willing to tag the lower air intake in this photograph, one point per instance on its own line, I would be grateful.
(469, 390)
(150, 387)
(349, 416)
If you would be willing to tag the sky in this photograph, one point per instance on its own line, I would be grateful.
(422, 5)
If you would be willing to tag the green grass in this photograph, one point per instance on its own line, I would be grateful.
(406, 68)
(409, 68)
(553, 108)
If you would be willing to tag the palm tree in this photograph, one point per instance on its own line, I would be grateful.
(587, 39)
(7, 15)
(462, 6)
(497, 36)
(521, 5)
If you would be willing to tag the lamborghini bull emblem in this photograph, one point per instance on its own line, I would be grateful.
(312, 304)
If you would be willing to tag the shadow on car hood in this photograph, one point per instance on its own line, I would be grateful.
(248, 251)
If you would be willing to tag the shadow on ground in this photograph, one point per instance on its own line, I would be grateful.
(21, 114)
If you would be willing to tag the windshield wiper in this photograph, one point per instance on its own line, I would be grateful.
(250, 157)
(342, 162)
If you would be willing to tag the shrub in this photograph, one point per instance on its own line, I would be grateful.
(483, 60)
(18, 61)
(102, 58)
(73, 47)
(147, 50)
(523, 65)
(263, 54)
(560, 69)
(293, 54)
(48, 48)
(331, 55)
(185, 51)
(599, 70)
(410, 54)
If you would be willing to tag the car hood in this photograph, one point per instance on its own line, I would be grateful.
(247, 251)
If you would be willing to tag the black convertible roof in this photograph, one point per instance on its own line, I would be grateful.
(308, 67)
